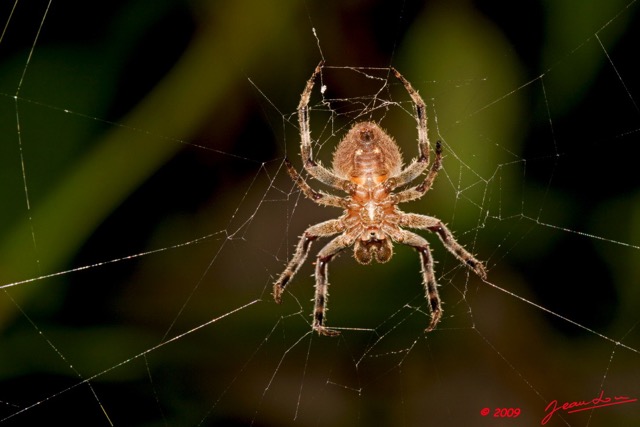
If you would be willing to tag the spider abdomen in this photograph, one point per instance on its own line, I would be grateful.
(366, 155)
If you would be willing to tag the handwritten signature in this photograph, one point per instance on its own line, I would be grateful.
(583, 405)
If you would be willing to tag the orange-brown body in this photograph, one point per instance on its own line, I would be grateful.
(367, 165)
(367, 156)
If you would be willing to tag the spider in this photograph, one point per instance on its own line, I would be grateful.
(367, 165)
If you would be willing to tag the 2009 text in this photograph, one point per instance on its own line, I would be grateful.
(501, 412)
(506, 412)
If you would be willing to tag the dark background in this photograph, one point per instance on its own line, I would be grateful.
(145, 125)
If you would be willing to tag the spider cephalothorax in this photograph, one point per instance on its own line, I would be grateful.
(367, 165)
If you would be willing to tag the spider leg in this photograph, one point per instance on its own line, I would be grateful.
(434, 225)
(421, 245)
(419, 191)
(322, 229)
(322, 274)
(319, 197)
(418, 166)
(315, 169)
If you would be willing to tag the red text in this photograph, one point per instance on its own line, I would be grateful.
(584, 405)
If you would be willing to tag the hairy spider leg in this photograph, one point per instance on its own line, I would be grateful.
(414, 193)
(315, 169)
(421, 245)
(323, 229)
(319, 197)
(434, 225)
(418, 166)
(322, 275)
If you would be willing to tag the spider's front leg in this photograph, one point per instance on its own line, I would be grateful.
(421, 245)
(322, 229)
(322, 274)
(434, 225)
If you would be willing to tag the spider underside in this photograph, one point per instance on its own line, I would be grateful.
(367, 165)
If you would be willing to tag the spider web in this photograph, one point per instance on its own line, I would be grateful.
(147, 211)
